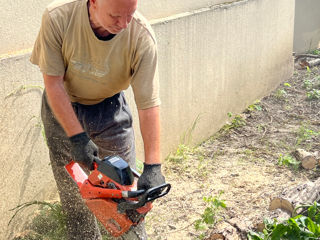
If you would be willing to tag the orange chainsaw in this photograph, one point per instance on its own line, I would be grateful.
(110, 193)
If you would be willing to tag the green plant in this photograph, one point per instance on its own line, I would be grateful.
(304, 134)
(49, 223)
(288, 160)
(305, 226)
(187, 136)
(211, 214)
(316, 52)
(236, 122)
(313, 94)
(307, 84)
(180, 155)
(254, 106)
(281, 94)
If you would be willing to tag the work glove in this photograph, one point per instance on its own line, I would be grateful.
(151, 176)
(83, 150)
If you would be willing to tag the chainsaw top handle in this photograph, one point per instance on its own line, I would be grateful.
(148, 196)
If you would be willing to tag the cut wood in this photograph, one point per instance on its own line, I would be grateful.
(314, 62)
(283, 206)
(296, 57)
(291, 198)
(308, 160)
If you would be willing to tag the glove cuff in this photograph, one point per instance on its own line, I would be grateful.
(79, 138)
(148, 167)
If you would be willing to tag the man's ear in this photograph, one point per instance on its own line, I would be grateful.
(93, 3)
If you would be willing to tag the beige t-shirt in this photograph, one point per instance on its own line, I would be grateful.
(94, 69)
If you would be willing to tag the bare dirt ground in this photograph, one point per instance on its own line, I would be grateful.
(242, 160)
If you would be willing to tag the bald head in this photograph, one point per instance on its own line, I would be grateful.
(112, 15)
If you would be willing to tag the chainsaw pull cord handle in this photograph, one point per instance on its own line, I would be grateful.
(148, 196)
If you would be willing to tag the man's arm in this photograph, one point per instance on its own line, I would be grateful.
(83, 150)
(150, 130)
(60, 105)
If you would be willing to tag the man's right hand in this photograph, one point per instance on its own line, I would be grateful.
(83, 150)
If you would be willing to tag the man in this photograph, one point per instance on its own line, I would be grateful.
(89, 51)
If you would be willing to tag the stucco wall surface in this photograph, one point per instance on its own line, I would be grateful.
(25, 171)
(212, 61)
(307, 26)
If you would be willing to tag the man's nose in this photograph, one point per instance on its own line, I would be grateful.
(123, 22)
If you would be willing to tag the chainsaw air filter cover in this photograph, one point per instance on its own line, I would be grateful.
(117, 169)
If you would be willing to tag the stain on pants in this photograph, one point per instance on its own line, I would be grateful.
(109, 125)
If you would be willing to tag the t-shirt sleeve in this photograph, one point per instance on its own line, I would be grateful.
(145, 79)
(47, 53)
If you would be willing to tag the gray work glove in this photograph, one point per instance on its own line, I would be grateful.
(151, 177)
(83, 150)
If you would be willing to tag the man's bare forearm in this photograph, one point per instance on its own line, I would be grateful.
(150, 131)
(60, 105)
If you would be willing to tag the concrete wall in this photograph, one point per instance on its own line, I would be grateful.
(212, 60)
(307, 26)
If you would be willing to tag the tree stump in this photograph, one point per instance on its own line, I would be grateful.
(283, 206)
(291, 198)
(308, 160)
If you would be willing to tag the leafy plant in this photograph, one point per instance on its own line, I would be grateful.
(316, 52)
(288, 160)
(304, 134)
(180, 155)
(305, 226)
(236, 122)
(307, 84)
(281, 94)
(314, 94)
(49, 223)
(255, 106)
(211, 214)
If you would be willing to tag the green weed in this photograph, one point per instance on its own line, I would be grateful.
(255, 106)
(187, 136)
(307, 84)
(288, 161)
(180, 155)
(236, 122)
(211, 214)
(49, 223)
(304, 134)
(314, 94)
(305, 226)
(281, 94)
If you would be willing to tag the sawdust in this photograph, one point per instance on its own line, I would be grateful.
(242, 162)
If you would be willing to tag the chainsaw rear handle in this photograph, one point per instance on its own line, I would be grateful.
(148, 196)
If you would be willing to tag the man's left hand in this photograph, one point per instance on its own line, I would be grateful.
(151, 176)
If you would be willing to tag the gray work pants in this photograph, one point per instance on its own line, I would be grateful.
(109, 125)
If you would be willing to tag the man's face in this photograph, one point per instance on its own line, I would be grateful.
(113, 15)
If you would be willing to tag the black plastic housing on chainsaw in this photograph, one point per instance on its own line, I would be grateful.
(117, 169)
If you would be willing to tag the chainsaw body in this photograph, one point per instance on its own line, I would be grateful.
(110, 193)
